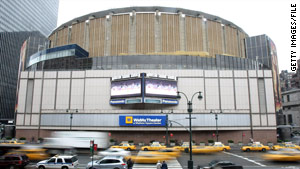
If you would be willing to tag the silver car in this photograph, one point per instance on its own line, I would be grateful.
(108, 162)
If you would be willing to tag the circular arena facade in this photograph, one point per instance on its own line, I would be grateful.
(100, 71)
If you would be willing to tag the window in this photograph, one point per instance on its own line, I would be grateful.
(290, 119)
(59, 160)
(68, 160)
(104, 161)
(288, 97)
(8, 159)
(52, 160)
(109, 161)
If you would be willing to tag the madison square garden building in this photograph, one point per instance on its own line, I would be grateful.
(120, 70)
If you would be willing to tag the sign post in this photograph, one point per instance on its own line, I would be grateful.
(92, 146)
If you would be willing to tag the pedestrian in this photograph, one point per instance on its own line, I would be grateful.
(164, 165)
(158, 165)
(129, 163)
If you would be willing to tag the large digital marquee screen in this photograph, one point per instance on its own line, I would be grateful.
(126, 88)
(160, 88)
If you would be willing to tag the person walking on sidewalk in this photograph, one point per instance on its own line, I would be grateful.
(158, 165)
(164, 165)
(129, 164)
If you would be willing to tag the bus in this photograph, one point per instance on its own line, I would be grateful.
(78, 139)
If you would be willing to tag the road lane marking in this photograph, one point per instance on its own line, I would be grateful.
(172, 164)
(247, 159)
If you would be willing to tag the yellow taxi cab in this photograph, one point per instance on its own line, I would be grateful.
(171, 152)
(204, 150)
(148, 158)
(125, 146)
(12, 142)
(220, 146)
(184, 146)
(32, 153)
(283, 154)
(256, 146)
(285, 145)
(153, 146)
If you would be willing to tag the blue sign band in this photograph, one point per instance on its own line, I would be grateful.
(118, 101)
(131, 120)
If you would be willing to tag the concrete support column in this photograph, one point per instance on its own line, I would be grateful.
(223, 33)
(69, 34)
(55, 39)
(132, 33)
(204, 35)
(239, 45)
(108, 23)
(86, 35)
(157, 29)
(182, 31)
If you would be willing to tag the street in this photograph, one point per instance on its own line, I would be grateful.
(249, 160)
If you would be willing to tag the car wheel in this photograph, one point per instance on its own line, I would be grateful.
(263, 150)
(41, 167)
(12, 167)
(145, 149)
(248, 149)
(186, 150)
(64, 167)
(116, 168)
(128, 149)
(224, 149)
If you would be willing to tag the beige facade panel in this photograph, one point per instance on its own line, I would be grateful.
(97, 37)
(145, 33)
(119, 35)
(81, 32)
(74, 33)
(59, 37)
(51, 38)
(193, 32)
(242, 44)
(231, 41)
(170, 33)
(114, 35)
(62, 37)
(215, 38)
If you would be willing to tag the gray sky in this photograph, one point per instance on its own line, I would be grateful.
(255, 17)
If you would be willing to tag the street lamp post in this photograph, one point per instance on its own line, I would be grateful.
(167, 127)
(216, 117)
(71, 116)
(190, 110)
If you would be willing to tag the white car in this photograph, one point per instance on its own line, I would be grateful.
(114, 152)
(59, 161)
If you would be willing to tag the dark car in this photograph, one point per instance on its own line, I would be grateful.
(14, 161)
(216, 164)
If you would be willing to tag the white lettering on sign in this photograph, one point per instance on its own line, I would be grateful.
(147, 121)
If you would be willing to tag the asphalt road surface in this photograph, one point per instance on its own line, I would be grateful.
(249, 160)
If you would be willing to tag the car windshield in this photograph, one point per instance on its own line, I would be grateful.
(213, 162)
(74, 159)
(226, 164)
(24, 157)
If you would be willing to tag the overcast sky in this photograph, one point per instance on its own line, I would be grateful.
(255, 17)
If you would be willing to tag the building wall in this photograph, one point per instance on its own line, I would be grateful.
(17, 16)
(20, 22)
(291, 107)
(86, 94)
(151, 33)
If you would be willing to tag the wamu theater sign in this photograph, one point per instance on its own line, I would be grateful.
(142, 120)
